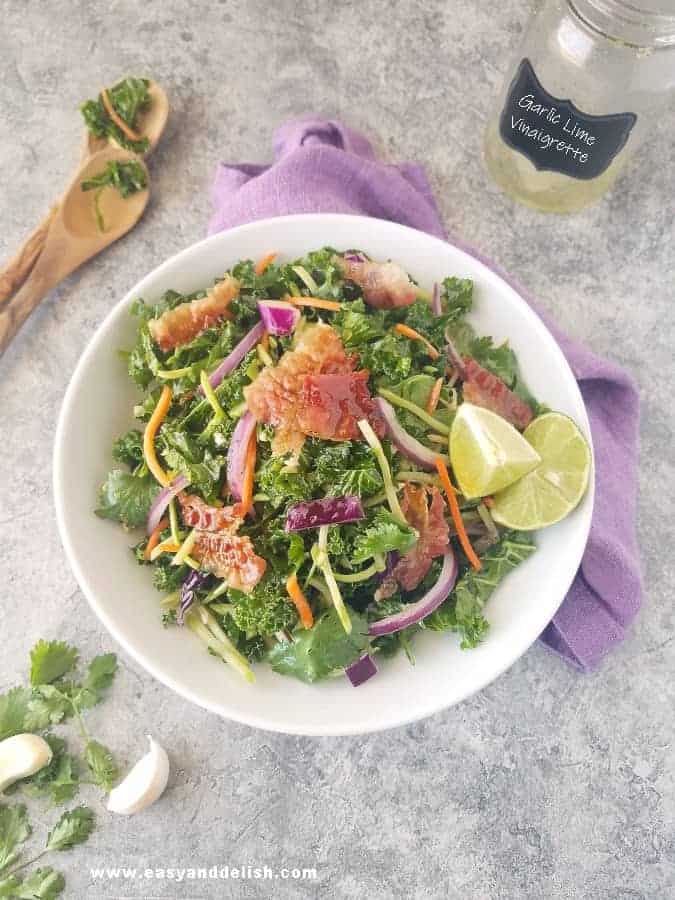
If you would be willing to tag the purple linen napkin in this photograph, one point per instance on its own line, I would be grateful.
(322, 166)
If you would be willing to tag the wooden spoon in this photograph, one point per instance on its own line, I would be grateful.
(73, 237)
(151, 124)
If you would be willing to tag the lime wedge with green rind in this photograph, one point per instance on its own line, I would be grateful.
(486, 452)
(551, 491)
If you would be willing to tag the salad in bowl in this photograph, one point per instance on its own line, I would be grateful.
(329, 460)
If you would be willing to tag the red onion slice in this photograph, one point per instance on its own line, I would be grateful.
(436, 300)
(278, 316)
(326, 511)
(361, 670)
(230, 363)
(415, 612)
(236, 454)
(162, 500)
(406, 443)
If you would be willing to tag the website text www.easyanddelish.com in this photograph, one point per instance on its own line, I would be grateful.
(212, 873)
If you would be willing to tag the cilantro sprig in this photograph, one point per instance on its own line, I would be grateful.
(57, 693)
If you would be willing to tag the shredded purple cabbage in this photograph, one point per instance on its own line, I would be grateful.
(188, 592)
(361, 670)
(327, 511)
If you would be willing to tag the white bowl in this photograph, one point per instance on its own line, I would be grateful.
(97, 408)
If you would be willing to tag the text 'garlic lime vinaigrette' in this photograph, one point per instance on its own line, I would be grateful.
(590, 80)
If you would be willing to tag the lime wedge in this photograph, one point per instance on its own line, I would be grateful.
(486, 452)
(552, 490)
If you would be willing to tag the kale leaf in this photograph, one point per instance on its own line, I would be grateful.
(128, 449)
(126, 177)
(283, 484)
(357, 325)
(388, 358)
(128, 98)
(463, 610)
(457, 296)
(347, 468)
(266, 610)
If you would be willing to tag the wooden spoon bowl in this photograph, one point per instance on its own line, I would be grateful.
(74, 237)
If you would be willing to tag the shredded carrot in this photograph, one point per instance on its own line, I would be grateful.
(435, 395)
(151, 430)
(300, 601)
(316, 302)
(117, 119)
(153, 540)
(456, 514)
(265, 341)
(167, 546)
(249, 474)
(409, 332)
(264, 263)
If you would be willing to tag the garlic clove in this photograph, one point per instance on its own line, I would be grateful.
(143, 785)
(22, 756)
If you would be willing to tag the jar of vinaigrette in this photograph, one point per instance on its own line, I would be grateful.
(590, 80)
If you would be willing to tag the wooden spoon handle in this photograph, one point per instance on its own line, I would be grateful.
(16, 271)
(16, 310)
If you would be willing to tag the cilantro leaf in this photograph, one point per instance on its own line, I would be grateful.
(41, 884)
(74, 827)
(127, 498)
(101, 764)
(101, 672)
(48, 706)
(50, 660)
(382, 534)
(317, 652)
(13, 711)
(14, 830)
(9, 886)
(59, 780)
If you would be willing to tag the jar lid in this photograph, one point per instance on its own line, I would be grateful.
(644, 23)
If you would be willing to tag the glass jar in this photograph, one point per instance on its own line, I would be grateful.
(590, 80)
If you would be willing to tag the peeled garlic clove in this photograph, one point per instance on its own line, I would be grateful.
(22, 756)
(143, 785)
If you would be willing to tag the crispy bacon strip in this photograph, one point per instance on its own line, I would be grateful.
(182, 324)
(230, 557)
(331, 405)
(384, 285)
(434, 536)
(195, 513)
(482, 388)
(280, 392)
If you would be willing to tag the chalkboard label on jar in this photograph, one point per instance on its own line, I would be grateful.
(556, 136)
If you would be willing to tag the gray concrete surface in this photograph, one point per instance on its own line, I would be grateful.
(549, 785)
